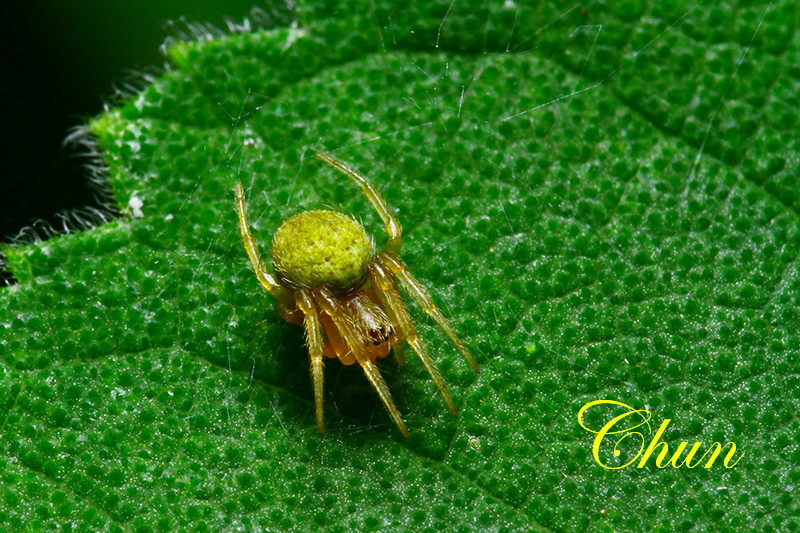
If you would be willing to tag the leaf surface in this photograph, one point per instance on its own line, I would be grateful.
(603, 199)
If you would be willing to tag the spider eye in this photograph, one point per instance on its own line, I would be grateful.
(381, 334)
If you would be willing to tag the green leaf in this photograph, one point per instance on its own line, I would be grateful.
(603, 198)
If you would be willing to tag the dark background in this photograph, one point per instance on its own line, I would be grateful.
(59, 62)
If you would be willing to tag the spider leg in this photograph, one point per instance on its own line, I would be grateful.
(251, 246)
(399, 354)
(327, 303)
(313, 328)
(374, 377)
(374, 196)
(387, 292)
(423, 299)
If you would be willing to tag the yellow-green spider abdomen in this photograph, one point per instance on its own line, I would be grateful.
(322, 248)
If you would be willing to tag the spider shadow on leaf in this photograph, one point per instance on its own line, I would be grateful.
(350, 399)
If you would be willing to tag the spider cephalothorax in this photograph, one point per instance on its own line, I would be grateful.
(333, 282)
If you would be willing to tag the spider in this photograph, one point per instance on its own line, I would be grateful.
(330, 279)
